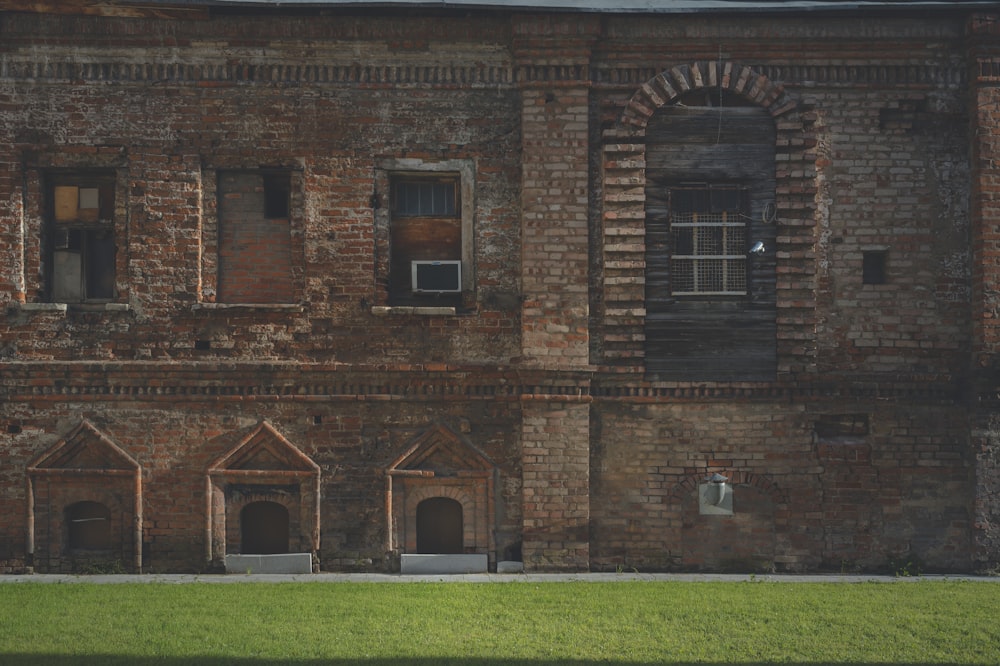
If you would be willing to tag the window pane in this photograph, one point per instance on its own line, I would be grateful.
(100, 265)
(415, 198)
(708, 233)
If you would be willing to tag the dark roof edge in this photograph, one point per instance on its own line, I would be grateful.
(599, 6)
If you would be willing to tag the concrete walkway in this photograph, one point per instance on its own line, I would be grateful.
(481, 578)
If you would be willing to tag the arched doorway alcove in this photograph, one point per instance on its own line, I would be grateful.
(264, 528)
(439, 526)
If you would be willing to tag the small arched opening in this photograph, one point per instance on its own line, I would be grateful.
(439, 527)
(264, 529)
(88, 526)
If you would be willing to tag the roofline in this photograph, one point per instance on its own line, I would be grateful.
(566, 6)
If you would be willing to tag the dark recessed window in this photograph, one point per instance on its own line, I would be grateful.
(873, 266)
(81, 244)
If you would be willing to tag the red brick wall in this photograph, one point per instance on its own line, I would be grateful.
(542, 368)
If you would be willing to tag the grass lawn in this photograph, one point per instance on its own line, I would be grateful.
(921, 622)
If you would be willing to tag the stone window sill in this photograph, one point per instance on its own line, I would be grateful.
(280, 307)
(72, 307)
(419, 311)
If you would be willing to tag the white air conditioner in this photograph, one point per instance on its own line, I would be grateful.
(436, 277)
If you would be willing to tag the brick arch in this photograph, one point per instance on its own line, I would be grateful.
(623, 213)
(669, 85)
(761, 482)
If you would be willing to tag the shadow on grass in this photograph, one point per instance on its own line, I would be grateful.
(119, 660)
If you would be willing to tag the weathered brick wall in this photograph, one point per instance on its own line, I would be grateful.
(984, 55)
(542, 371)
(801, 500)
(170, 129)
(176, 422)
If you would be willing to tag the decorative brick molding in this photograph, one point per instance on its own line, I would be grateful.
(763, 483)
(86, 464)
(623, 208)
(439, 463)
(263, 466)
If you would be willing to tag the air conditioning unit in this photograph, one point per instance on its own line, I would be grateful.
(436, 277)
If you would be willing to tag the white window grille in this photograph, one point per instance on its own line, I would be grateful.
(708, 238)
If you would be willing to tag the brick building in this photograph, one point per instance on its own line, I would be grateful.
(369, 280)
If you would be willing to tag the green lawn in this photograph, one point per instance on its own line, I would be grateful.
(922, 622)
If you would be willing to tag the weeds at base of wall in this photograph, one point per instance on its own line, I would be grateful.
(101, 568)
(905, 567)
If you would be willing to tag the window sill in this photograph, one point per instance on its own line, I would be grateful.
(415, 310)
(281, 307)
(73, 307)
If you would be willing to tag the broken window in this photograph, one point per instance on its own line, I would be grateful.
(425, 239)
(255, 248)
(80, 237)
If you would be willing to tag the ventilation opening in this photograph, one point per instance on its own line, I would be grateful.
(439, 527)
(873, 265)
(264, 529)
(89, 526)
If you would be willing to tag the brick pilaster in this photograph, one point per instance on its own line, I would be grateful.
(984, 57)
(555, 85)
(555, 444)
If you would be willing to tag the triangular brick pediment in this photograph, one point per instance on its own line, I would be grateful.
(264, 449)
(443, 452)
(84, 448)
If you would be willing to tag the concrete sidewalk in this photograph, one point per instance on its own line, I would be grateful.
(482, 578)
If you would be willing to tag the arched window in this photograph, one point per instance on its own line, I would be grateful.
(710, 238)
(439, 526)
(89, 526)
(264, 529)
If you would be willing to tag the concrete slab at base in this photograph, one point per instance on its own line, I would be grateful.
(284, 563)
(444, 564)
(510, 566)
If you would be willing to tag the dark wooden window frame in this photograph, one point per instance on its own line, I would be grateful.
(80, 222)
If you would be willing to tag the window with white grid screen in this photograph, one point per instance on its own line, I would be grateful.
(708, 236)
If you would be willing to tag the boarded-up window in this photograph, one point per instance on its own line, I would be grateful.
(255, 256)
(88, 526)
(80, 238)
(264, 528)
(710, 187)
(439, 526)
(425, 227)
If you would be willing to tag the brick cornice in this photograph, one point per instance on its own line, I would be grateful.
(161, 72)
(292, 382)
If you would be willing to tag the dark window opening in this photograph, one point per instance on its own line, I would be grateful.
(277, 190)
(439, 526)
(264, 529)
(88, 526)
(80, 237)
(873, 265)
(424, 198)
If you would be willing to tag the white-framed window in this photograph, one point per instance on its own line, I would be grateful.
(708, 240)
